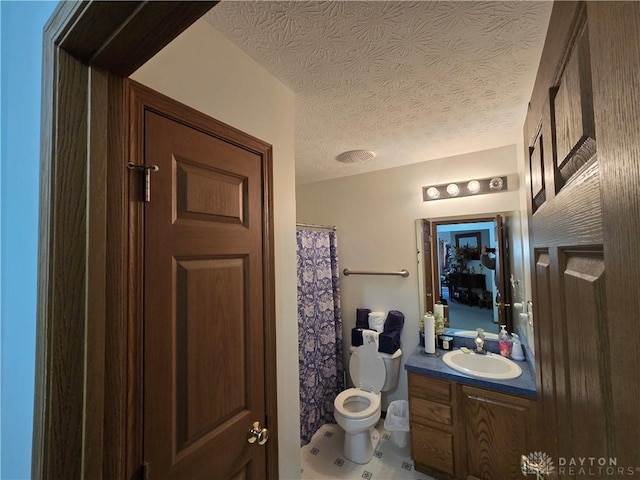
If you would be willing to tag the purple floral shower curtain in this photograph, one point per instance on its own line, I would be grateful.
(319, 329)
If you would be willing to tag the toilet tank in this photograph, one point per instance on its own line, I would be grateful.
(392, 366)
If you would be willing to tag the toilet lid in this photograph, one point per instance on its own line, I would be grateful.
(367, 369)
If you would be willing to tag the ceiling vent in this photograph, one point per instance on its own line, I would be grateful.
(356, 156)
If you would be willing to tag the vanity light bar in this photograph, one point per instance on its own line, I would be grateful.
(464, 189)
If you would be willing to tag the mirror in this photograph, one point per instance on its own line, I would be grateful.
(453, 270)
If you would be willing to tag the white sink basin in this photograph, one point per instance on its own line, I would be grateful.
(492, 366)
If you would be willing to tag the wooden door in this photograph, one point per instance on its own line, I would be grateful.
(587, 401)
(204, 340)
(502, 300)
(432, 285)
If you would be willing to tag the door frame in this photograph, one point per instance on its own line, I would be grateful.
(88, 297)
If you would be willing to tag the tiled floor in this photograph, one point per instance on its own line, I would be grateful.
(323, 458)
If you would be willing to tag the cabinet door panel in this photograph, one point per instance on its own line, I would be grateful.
(496, 432)
(432, 448)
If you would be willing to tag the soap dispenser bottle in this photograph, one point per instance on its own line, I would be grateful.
(503, 341)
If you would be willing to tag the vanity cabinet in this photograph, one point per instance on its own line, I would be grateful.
(459, 431)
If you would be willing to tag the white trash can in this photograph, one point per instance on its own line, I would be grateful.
(397, 422)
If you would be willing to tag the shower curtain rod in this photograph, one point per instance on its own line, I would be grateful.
(330, 227)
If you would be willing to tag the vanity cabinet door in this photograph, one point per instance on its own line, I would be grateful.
(497, 430)
(432, 447)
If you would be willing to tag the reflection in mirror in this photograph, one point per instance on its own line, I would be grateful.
(467, 281)
(463, 263)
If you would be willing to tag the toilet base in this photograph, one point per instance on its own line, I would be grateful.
(359, 447)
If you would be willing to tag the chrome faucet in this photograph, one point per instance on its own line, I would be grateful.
(480, 342)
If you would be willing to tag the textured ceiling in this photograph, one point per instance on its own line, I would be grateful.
(411, 81)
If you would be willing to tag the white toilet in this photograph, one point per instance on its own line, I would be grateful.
(357, 410)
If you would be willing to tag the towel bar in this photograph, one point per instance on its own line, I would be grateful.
(402, 273)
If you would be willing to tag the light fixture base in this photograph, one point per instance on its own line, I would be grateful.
(465, 188)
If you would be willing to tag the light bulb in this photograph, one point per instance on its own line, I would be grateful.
(473, 186)
(495, 183)
(433, 193)
(452, 189)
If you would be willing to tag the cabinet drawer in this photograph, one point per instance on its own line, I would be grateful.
(426, 411)
(432, 448)
(429, 388)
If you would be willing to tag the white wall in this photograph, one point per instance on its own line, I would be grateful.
(202, 69)
(375, 214)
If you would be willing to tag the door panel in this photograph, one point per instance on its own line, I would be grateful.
(203, 321)
(585, 303)
(199, 381)
(209, 195)
(545, 372)
(573, 110)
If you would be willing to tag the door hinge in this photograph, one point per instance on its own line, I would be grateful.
(147, 177)
(145, 470)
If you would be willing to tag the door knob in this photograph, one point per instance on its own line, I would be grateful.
(502, 304)
(256, 432)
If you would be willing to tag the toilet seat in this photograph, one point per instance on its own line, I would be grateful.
(372, 398)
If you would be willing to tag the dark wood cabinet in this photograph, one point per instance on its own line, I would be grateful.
(468, 280)
(459, 431)
(464, 284)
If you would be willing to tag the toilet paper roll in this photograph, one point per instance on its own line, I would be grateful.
(376, 321)
(429, 334)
